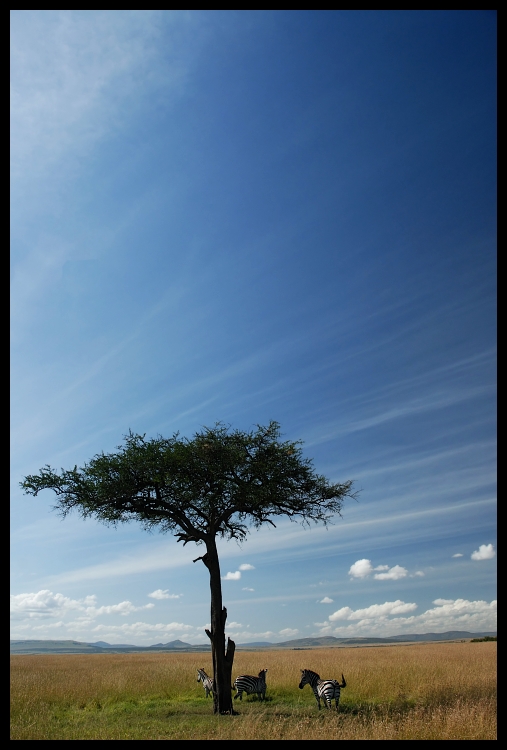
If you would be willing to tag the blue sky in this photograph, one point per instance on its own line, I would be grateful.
(245, 216)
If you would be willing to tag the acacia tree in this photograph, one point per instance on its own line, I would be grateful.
(214, 485)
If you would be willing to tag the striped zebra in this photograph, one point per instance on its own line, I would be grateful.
(207, 682)
(325, 689)
(247, 683)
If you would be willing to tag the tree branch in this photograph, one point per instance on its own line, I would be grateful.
(203, 558)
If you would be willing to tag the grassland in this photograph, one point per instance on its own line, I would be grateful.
(440, 691)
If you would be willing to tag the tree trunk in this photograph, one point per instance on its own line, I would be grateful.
(222, 658)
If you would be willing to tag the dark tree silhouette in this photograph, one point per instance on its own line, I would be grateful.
(214, 485)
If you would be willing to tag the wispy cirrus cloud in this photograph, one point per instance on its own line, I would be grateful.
(286, 538)
(72, 73)
(147, 558)
(409, 397)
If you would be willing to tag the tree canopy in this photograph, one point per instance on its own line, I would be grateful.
(217, 484)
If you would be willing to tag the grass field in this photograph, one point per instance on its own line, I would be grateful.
(440, 691)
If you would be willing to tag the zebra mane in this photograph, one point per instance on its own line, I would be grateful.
(310, 672)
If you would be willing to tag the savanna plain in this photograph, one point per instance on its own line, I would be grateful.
(428, 691)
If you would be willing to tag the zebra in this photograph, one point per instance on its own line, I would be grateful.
(325, 689)
(247, 683)
(207, 682)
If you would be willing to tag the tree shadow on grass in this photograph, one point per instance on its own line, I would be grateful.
(254, 699)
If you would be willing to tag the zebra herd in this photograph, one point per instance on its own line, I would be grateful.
(327, 690)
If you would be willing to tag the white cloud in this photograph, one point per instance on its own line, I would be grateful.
(163, 594)
(288, 632)
(326, 600)
(45, 603)
(341, 614)
(485, 552)
(458, 554)
(361, 569)
(387, 619)
(393, 574)
(419, 574)
(232, 576)
(246, 566)
(247, 636)
(461, 606)
(374, 611)
(245, 588)
(123, 608)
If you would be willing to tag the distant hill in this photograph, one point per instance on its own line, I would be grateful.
(330, 641)
(101, 647)
(54, 647)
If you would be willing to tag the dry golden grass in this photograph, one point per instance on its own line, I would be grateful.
(420, 691)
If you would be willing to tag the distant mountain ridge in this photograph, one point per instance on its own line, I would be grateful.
(101, 647)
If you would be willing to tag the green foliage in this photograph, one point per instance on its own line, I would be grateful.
(214, 484)
(482, 640)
